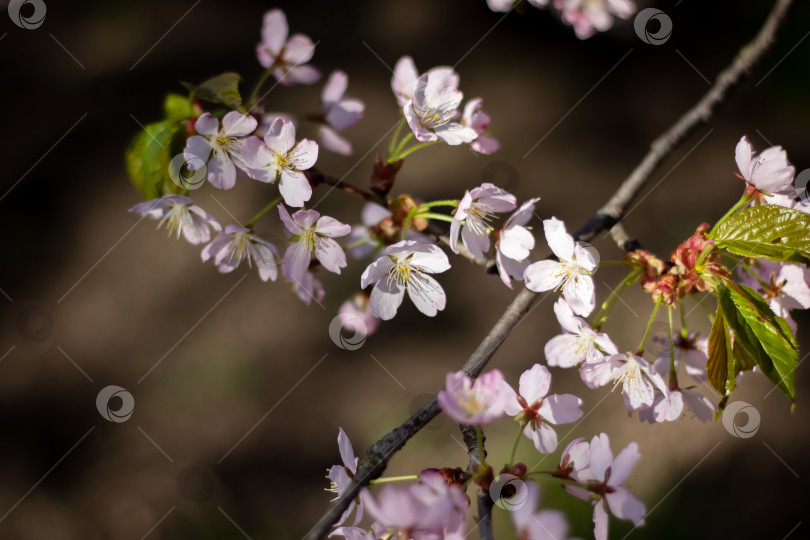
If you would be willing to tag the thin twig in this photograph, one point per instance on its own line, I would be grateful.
(607, 217)
(485, 503)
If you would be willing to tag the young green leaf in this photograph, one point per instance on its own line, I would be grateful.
(717, 365)
(220, 89)
(147, 158)
(775, 232)
(178, 108)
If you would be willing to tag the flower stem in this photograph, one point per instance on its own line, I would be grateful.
(431, 215)
(262, 212)
(673, 375)
(395, 479)
(359, 243)
(742, 202)
(413, 149)
(610, 303)
(425, 206)
(514, 446)
(640, 349)
(255, 92)
(548, 477)
(479, 436)
(392, 156)
(684, 328)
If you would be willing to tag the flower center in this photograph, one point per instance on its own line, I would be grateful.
(402, 273)
(479, 217)
(437, 110)
(175, 219)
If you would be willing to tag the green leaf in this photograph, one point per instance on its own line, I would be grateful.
(220, 89)
(775, 232)
(717, 365)
(147, 158)
(178, 108)
(763, 337)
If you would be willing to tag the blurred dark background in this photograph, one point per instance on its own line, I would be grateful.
(235, 426)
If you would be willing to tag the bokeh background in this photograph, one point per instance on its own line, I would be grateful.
(236, 423)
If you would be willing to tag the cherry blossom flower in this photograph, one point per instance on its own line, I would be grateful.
(308, 289)
(358, 308)
(403, 83)
(339, 113)
(224, 143)
(475, 118)
(434, 489)
(474, 402)
(279, 157)
(572, 271)
(180, 217)
(341, 476)
(589, 16)
(311, 234)
(668, 407)
(632, 372)
(287, 58)
(768, 174)
(690, 351)
(514, 244)
(537, 410)
(431, 112)
(575, 458)
(405, 266)
(235, 244)
(415, 511)
(579, 344)
(475, 211)
(376, 231)
(532, 525)
(606, 476)
(784, 286)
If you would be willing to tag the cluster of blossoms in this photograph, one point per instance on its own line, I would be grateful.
(586, 16)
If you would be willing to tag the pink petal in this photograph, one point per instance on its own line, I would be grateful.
(543, 276)
(238, 124)
(299, 49)
(305, 74)
(565, 316)
(477, 244)
(207, 124)
(221, 170)
(405, 75)
(601, 456)
(534, 383)
(580, 294)
(295, 188)
(385, 301)
(346, 451)
(328, 226)
(511, 405)
(334, 142)
(330, 254)
(453, 134)
(428, 296)
(565, 351)
(196, 147)
(623, 464)
(560, 242)
(296, 262)
(624, 505)
(280, 136)
(305, 154)
(335, 87)
(376, 271)
(545, 439)
(265, 260)
(600, 517)
(292, 227)
(256, 154)
(274, 31)
(345, 114)
(561, 408)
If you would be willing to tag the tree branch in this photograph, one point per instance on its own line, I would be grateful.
(484, 500)
(607, 217)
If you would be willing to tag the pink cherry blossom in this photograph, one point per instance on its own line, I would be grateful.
(572, 271)
(784, 286)
(341, 476)
(339, 113)
(514, 244)
(431, 112)
(635, 374)
(406, 266)
(287, 58)
(311, 234)
(279, 157)
(770, 172)
(180, 216)
(533, 407)
(589, 16)
(308, 288)
(533, 525)
(606, 476)
(358, 308)
(690, 351)
(224, 143)
(575, 458)
(669, 407)
(476, 211)
(403, 83)
(237, 243)
(475, 118)
(474, 402)
(364, 237)
(580, 343)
